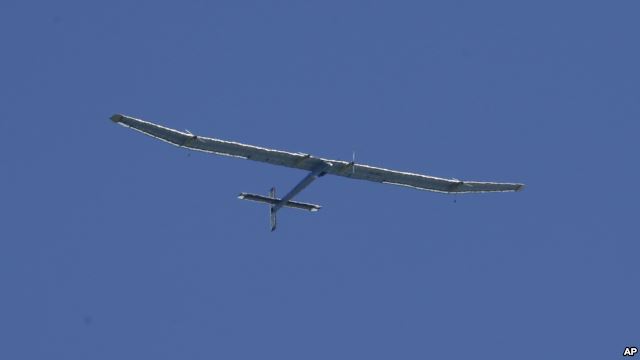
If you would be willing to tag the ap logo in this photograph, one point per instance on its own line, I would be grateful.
(630, 351)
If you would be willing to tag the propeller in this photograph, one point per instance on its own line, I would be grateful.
(193, 137)
(353, 162)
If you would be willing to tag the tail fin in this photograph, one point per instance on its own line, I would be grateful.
(272, 213)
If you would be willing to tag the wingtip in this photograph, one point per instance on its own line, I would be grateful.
(520, 187)
(116, 118)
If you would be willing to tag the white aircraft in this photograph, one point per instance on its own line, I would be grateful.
(316, 166)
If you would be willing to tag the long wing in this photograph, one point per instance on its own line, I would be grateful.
(308, 162)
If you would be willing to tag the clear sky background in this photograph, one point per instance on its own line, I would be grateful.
(118, 246)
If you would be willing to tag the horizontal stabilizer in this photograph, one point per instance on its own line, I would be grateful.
(274, 201)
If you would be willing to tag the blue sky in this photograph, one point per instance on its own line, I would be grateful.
(116, 245)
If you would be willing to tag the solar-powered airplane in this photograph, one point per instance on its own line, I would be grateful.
(316, 166)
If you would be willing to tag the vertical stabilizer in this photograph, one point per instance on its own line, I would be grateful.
(272, 211)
